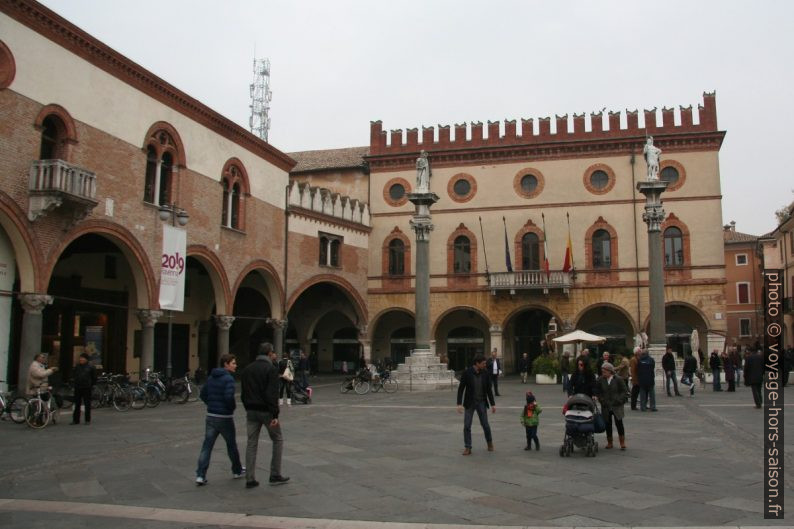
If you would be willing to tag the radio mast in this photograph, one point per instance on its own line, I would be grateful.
(259, 122)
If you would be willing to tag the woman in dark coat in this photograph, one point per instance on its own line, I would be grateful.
(730, 371)
(611, 392)
(582, 380)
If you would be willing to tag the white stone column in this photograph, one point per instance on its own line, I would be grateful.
(33, 305)
(148, 318)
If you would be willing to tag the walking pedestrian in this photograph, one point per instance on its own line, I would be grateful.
(690, 367)
(286, 375)
(494, 370)
(84, 376)
(260, 386)
(668, 364)
(714, 365)
(530, 419)
(474, 395)
(730, 371)
(523, 368)
(611, 393)
(218, 395)
(754, 375)
(736, 359)
(646, 367)
(635, 380)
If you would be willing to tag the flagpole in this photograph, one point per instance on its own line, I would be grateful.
(508, 259)
(545, 248)
(573, 267)
(487, 275)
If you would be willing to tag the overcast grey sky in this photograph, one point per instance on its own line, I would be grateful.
(337, 65)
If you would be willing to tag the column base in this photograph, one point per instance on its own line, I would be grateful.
(423, 371)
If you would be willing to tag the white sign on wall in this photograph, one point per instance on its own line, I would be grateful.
(172, 269)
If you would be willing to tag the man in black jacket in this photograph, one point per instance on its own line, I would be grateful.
(84, 380)
(754, 375)
(474, 394)
(494, 370)
(260, 384)
(668, 364)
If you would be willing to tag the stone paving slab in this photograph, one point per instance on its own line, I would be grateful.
(391, 460)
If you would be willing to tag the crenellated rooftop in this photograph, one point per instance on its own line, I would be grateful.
(324, 202)
(395, 142)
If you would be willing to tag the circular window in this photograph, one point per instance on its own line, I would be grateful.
(462, 187)
(673, 173)
(599, 179)
(396, 192)
(670, 175)
(528, 182)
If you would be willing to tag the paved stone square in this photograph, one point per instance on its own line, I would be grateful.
(395, 459)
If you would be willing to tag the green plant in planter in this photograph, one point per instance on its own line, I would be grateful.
(546, 365)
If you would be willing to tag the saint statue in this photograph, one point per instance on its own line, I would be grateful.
(422, 173)
(651, 154)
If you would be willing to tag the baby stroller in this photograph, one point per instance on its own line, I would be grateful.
(300, 394)
(579, 414)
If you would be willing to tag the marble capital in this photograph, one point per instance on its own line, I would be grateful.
(223, 322)
(148, 317)
(276, 323)
(34, 303)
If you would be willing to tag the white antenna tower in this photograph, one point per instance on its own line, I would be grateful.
(259, 122)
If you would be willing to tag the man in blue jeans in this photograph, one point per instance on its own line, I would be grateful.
(474, 394)
(218, 395)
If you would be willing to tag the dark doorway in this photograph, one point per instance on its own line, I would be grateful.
(462, 344)
(531, 327)
(401, 343)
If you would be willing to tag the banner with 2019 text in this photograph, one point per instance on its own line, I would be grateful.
(172, 269)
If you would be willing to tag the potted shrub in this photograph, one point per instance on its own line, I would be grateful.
(546, 370)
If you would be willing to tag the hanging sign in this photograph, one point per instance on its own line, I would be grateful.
(172, 269)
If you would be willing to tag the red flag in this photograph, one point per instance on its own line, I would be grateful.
(568, 262)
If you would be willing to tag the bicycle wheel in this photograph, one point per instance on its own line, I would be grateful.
(55, 410)
(389, 385)
(182, 395)
(138, 398)
(194, 392)
(376, 386)
(361, 387)
(17, 410)
(346, 386)
(152, 397)
(121, 400)
(96, 397)
(37, 415)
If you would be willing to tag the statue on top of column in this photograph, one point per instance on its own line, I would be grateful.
(651, 154)
(422, 173)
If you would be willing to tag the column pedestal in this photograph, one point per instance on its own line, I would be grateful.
(30, 346)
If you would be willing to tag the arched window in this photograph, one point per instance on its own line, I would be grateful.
(673, 247)
(530, 252)
(235, 186)
(49, 139)
(151, 174)
(160, 157)
(324, 251)
(602, 249)
(225, 202)
(396, 257)
(235, 205)
(462, 255)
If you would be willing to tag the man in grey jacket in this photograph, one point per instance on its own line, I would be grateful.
(260, 384)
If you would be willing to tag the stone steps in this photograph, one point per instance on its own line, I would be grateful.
(423, 371)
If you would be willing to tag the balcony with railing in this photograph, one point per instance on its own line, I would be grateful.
(59, 184)
(531, 280)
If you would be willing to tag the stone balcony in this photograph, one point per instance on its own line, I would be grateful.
(58, 184)
(530, 280)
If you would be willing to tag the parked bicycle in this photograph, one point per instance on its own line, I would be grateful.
(12, 406)
(383, 380)
(358, 382)
(157, 390)
(41, 410)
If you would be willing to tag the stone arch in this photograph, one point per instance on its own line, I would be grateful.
(375, 320)
(137, 258)
(440, 318)
(8, 67)
(26, 247)
(515, 312)
(220, 282)
(272, 280)
(345, 286)
(179, 147)
(704, 321)
(618, 308)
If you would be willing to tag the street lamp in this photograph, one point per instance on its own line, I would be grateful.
(176, 215)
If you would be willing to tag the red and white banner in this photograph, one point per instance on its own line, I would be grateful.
(172, 269)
